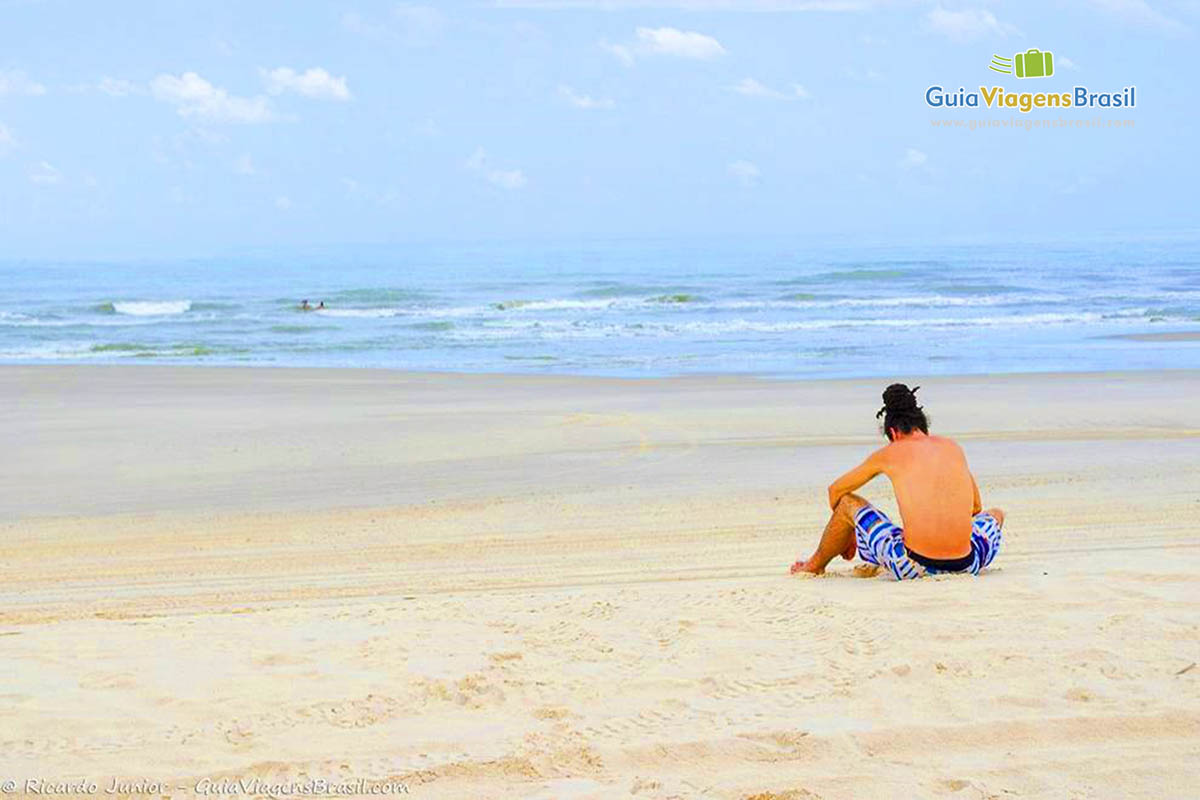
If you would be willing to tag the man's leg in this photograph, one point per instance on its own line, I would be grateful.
(986, 537)
(838, 538)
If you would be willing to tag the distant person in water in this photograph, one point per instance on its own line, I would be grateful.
(320, 305)
(945, 526)
(304, 306)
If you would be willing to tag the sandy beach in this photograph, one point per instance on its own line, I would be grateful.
(487, 586)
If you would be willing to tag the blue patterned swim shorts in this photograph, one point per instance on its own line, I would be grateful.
(880, 541)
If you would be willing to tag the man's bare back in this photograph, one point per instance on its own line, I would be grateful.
(935, 491)
(943, 529)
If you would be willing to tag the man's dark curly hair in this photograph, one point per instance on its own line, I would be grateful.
(900, 411)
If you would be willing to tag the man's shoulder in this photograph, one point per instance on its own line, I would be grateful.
(883, 451)
(946, 442)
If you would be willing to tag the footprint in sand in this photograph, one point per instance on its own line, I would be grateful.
(108, 680)
(550, 712)
(280, 659)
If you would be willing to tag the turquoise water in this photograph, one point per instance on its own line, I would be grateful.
(628, 308)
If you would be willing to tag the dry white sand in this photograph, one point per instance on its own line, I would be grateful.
(498, 587)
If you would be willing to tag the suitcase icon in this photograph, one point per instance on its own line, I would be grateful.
(1034, 63)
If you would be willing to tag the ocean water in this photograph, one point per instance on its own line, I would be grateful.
(627, 308)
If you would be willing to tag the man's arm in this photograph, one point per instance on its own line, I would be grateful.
(856, 477)
(977, 503)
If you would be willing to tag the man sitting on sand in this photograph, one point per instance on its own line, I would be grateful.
(945, 528)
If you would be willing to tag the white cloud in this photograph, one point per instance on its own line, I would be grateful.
(193, 96)
(746, 173)
(667, 42)
(1066, 63)
(583, 100)
(913, 158)
(752, 88)
(17, 82)
(1139, 12)
(621, 52)
(245, 165)
(674, 42)
(504, 178)
(8, 142)
(283, 202)
(967, 24)
(314, 82)
(116, 87)
(45, 174)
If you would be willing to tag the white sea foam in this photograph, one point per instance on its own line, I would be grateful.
(62, 351)
(519, 308)
(13, 317)
(742, 325)
(433, 312)
(361, 313)
(152, 308)
(563, 329)
(922, 301)
(80, 322)
(655, 305)
(563, 305)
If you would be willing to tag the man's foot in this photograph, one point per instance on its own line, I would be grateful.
(806, 566)
(850, 552)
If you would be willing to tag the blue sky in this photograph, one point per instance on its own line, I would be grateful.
(172, 128)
